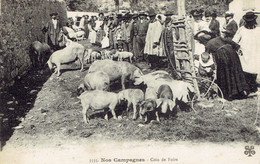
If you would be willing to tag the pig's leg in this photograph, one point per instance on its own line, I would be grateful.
(146, 118)
(128, 105)
(112, 107)
(123, 82)
(106, 114)
(58, 68)
(134, 109)
(84, 113)
(157, 116)
(113, 113)
(81, 63)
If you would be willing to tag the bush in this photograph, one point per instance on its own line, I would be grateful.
(21, 23)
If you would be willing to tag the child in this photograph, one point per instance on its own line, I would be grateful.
(206, 65)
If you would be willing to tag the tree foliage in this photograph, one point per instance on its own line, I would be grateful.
(82, 5)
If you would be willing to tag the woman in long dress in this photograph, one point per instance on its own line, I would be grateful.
(92, 30)
(248, 37)
(230, 77)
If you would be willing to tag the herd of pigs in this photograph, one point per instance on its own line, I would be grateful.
(154, 94)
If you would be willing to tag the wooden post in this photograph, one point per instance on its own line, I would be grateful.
(181, 8)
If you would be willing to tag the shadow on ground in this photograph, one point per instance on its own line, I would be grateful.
(16, 101)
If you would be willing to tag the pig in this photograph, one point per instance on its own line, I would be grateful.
(124, 55)
(95, 55)
(68, 54)
(94, 81)
(39, 52)
(134, 97)
(148, 106)
(98, 100)
(180, 89)
(152, 76)
(116, 70)
(165, 99)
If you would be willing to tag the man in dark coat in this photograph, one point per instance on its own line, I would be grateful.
(134, 36)
(231, 25)
(52, 30)
(142, 28)
(214, 23)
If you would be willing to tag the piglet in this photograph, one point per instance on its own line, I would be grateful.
(98, 100)
(133, 96)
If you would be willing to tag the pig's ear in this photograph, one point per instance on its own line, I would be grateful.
(158, 103)
(171, 104)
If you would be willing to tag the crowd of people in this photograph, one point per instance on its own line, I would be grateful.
(229, 52)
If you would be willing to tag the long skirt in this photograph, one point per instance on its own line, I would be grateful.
(135, 47)
(230, 76)
(86, 30)
(92, 36)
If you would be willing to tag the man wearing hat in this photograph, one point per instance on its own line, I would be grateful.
(126, 32)
(213, 23)
(52, 30)
(230, 27)
(152, 40)
(134, 32)
(248, 38)
(142, 27)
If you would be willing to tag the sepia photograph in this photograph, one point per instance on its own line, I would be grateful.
(129, 81)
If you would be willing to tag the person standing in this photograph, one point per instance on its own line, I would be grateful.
(248, 38)
(141, 34)
(152, 40)
(230, 27)
(92, 30)
(126, 32)
(52, 30)
(86, 27)
(213, 23)
(99, 28)
(134, 36)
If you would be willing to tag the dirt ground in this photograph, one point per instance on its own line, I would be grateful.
(42, 112)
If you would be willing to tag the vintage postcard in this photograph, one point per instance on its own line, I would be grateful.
(130, 81)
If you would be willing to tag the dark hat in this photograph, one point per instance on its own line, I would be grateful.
(128, 16)
(168, 13)
(208, 13)
(249, 16)
(151, 12)
(203, 36)
(197, 13)
(54, 13)
(229, 15)
(142, 13)
(119, 16)
(135, 15)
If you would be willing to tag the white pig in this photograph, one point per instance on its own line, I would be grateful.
(68, 54)
(134, 97)
(98, 100)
